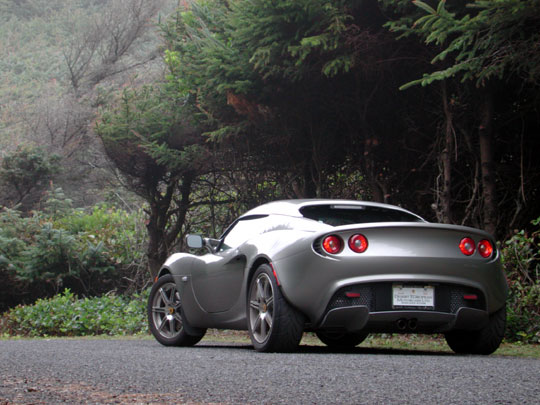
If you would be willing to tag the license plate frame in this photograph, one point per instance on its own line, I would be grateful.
(413, 296)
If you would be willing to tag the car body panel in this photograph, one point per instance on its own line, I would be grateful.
(214, 286)
(217, 280)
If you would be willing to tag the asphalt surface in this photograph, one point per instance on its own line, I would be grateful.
(142, 371)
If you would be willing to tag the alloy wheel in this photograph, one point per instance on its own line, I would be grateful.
(166, 314)
(261, 307)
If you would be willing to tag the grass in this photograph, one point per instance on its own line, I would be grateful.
(388, 342)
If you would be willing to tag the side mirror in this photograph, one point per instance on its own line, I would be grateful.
(195, 241)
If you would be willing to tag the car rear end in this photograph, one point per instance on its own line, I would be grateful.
(396, 277)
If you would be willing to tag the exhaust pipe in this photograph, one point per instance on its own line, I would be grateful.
(410, 324)
(401, 324)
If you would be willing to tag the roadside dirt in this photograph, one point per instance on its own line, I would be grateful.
(15, 391)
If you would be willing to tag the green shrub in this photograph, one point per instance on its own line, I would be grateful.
(120, 233)
(65, 315)
(25, 171)
(17, 233)
(91, 252)
(521, 260)
(51, 255)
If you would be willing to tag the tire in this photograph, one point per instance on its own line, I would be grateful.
(165, 315)
(341, 340)
(483, 341)
(273, 325)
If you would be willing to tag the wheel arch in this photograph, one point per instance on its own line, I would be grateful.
(163, 271)
(255, 265)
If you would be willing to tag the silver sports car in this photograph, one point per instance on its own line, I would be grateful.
(340, 269)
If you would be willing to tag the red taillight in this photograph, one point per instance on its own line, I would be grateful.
(485, 248)
(467, 246)
(332, 244)
(358, 243)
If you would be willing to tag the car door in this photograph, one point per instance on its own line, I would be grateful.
(217, 277)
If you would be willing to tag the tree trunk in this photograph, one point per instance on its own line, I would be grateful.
(376, 185)
(180, 212)
(485, 134)
(157, 222)
(166, 221)
(446, 158)
(154, 250)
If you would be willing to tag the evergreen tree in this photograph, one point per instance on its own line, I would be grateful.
(297, 86)
(25, 173)
(488, 43)
(152, 139)
(480, 39)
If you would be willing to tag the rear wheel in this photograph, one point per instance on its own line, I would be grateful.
(483, 341)
(165, 314)
(342, 340)
(274, 325)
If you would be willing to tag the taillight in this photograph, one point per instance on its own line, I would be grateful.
(358, 243)
(485, 248)
(467, 246)
(332, 244)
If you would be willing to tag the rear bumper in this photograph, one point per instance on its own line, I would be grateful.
(358, 318)
(369, 307)
(310, 283)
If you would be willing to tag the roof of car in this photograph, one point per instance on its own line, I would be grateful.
(292, 207)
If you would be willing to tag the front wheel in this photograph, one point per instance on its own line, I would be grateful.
(483, 341)
(274, 325)
(165, 314)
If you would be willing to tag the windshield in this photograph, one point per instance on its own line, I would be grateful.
(337, 215)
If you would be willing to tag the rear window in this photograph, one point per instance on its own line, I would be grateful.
(337, 215)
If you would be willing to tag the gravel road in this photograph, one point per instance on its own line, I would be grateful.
(142, 371)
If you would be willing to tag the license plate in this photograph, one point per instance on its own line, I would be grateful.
(413, 296)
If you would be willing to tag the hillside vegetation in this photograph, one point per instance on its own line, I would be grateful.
(59, 58)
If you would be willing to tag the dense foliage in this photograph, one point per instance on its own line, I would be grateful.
(482, 39)
(91, 252)
(307, 92)
(153, 139)
(24, 173)
(521, 254)
(277, 83)
(490, 46)
(65, 315)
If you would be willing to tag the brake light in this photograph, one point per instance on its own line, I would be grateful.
(358, 243)
(485, 248)
(467, 246)
(332, 244)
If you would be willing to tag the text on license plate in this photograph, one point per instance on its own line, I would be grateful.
(413, 296)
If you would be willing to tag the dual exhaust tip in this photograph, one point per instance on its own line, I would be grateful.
(409, 324)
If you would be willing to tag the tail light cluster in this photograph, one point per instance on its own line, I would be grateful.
(468, 247)
(333, 244)
(358, 243)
